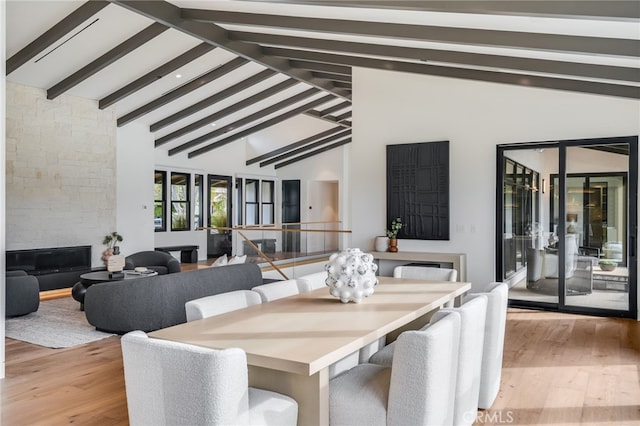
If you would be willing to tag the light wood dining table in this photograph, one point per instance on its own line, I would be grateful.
(291, 342)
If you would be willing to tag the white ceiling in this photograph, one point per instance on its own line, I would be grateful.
(589, 46)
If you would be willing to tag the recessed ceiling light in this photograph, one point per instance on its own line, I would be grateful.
(178, 75)
(213, 124)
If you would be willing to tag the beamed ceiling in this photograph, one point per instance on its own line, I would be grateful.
(246, 66)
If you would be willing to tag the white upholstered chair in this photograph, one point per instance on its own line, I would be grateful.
(277, 290)
(425, 273)
(472, 327)
(220, 303)
(416, 390)
(497, 299)
(312, 281)
(171, 383)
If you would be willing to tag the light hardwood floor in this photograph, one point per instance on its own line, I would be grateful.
(559, 369)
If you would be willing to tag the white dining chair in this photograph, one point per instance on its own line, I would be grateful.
(277, 290)
(425, 273)
(493, 349)
(312, 281)
(472, 326)
(418, 388)
(217, 304)
(467, 383)
(172, 383)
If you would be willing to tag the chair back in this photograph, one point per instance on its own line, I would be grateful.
(217, 304)
(161, 262)
(425, 273)
(312, 281)
(497, 298)
(472, 324)
(277, 290)
(423, 374)
(170, 383)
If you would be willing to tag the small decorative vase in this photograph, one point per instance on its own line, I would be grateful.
(351, 275)
(393, 245)
(381, 243)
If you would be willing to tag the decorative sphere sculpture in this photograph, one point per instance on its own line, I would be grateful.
(351, 275)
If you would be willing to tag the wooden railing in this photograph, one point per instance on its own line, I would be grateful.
(244, 229)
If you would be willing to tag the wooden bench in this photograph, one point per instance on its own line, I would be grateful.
(188, 254)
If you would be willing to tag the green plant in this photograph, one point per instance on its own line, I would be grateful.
(396, 225)
(112, 239)
(608, 262)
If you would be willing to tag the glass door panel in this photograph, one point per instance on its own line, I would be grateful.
(596, 197)
(567, 225)
(219, 192)
(529, 247)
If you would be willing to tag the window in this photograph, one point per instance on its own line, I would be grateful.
(198, 214)
(239, 201)
(268, 209)
(159, 203)
(180, 213)
(252, 193)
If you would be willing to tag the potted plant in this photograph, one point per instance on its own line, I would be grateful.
(608, 264)
(392, 234)
(111, 241)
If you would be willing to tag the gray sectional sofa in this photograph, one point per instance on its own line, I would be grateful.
(152, 303)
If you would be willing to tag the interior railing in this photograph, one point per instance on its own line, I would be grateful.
(284, 245)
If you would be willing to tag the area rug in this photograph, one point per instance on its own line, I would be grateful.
(58, 323)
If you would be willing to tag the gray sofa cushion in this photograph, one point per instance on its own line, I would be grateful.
(152, 303)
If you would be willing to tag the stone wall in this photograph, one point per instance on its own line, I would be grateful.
(60, 171)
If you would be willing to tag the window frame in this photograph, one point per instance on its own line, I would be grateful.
(186, 202)
(162, 200)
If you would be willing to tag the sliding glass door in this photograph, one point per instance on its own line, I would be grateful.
(567, 214)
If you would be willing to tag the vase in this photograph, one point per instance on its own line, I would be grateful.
(393, 245)
(351, 275)
(381, 243)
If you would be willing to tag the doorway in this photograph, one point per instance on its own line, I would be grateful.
(566, 225)
(219, 215)
(323, 213)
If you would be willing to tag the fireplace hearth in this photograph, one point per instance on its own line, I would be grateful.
(55, 268)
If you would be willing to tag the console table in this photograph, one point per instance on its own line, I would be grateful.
(457, 261)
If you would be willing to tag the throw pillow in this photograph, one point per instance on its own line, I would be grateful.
(221, 261)
(237, 259)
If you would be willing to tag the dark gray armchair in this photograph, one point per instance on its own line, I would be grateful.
(22, 294)
(162, 263)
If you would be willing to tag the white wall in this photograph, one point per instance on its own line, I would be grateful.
(135, 188)
(60, 171)
(392, 108)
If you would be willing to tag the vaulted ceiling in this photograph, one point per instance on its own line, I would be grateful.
(203, 74)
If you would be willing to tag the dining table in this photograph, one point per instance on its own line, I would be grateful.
(291, 342)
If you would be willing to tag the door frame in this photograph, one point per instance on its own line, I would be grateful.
(632, 222)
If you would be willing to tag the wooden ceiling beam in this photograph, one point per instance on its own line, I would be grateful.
(182, 90)
(264, 125)
(53, 34)
(610, 89)
(107, 59)
(468, 36)
(244, 121)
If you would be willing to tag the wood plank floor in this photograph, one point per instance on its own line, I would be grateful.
(559, 369)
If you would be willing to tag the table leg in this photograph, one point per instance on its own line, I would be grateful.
(311, 392)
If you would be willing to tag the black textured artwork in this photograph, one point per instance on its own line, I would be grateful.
(418, 189)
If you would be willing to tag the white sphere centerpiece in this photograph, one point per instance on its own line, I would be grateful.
(351, 275)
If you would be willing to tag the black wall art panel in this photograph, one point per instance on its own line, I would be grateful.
(418, 189)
